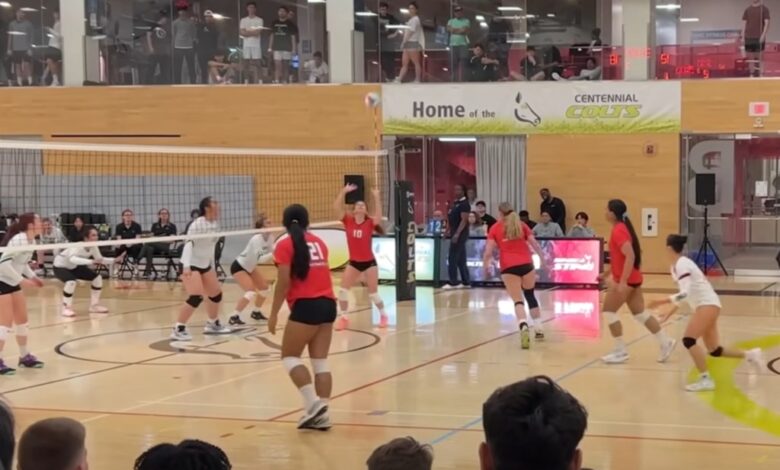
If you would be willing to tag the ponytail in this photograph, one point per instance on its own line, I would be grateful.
(296, 221)
(513, 228)
(620, 211)
(21, 225)
(204, 204)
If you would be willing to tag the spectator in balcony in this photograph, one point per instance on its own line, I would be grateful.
(53, 53)
(592, 71)
(401, 453)
(595, 40)
(526, 218)
(158, 43)
(221, 72)
(413, 45)
(546, 228)
(129, 229)
(477, 227)
(162, 228)
(184, 34)
(283, 45)
(251, 30)
(210, 41)
(499, 32)
(581, 229)
(553, 64)
(385, 41)
(481, 68)
(317, 69)
(530, 67)
(20, 40)
(75, 232)
(755, 24)
(459, 28)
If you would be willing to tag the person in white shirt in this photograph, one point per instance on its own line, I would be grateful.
(49, 236)
(251, 29)
(592, 71)
(248, 276)
(317, 69)
(697, 291)
(198, 274)
(413, 45)
(15, 273)
(74, 264)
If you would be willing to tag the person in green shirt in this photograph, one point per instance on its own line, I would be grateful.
(458, 27)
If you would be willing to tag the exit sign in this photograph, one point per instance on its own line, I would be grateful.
(758, 109)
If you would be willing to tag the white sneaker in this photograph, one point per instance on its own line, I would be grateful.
(216, 328)
(316, 410)
(755, 357)
(556, 76)
(452, 286)
(67, 312)
(667, 350)
(180, 334)
(617, 356)
(322, 423)
(97, 309)
(701, 385)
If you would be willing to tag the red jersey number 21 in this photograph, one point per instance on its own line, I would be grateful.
(316, 252)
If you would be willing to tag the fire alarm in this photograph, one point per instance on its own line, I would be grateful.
(650, 150)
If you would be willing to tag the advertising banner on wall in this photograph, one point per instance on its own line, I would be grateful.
(531, 108)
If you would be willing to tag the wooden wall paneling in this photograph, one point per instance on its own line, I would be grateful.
(721, 106)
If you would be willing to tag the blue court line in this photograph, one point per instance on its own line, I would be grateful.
(565, 376)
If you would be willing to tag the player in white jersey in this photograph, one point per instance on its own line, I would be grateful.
(697, 291)
(74, 264)
(198, 274)
(246, 273)
(15, 272)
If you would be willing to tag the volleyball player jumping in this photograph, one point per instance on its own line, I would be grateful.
(198, 274)
(697, 291)
(359, 227)
(624, 286)
(512, 237)
(15, 272)
(304, 281)
(247, 274)
(72, 265)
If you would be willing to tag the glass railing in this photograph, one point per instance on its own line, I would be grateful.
(715, 61)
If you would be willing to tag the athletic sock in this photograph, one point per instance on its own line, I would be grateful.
(94, 297)
(620, 345)
(662, 337)
(23, 351)
(705, 375)
(309, 396)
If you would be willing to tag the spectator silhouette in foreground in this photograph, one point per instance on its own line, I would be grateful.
(53, 444)
(188, 454)
(7, 437)
(532, 425)
(403, 453)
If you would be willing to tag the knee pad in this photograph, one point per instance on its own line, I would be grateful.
(717, 352)
(217, 298)
(343, 295)
(612, 317)
(642, 318)
(22, 330)
(320, 366)
(4, 330)
(291, 363)
(194, 300)
(69, 289)
(689, 342)
(530, 298)
(250, 295)
(97, 283)
(376, 298)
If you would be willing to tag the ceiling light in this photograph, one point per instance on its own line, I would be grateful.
(457, 139)
(479, 18)
(689, 20)
(6, 5)
(530, 17)
(483, 24)
(668, 6)
(550, 15)
(365, 13)
(405, 11)
(510, 9)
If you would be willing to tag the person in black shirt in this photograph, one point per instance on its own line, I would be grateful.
(194, 214)
(128, 230)
(75, 233)
(526, 218)
(283, 44)
(482, 68)
(385, 44)
(162, 228)
(553, 206)
(457, 228)
(488, 219)
(209, 42)
(158, 44)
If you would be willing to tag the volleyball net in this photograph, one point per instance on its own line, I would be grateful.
(96, 183)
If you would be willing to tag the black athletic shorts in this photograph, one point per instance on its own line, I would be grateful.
(318, 311)
(235, 267)
(200, 270)
(82, 273)
(9, 289)
(754, 45)
(519, 270)
(362, 265)
(20, 56)
(54, 54)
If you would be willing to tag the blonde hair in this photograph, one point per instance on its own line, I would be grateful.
(512, 227)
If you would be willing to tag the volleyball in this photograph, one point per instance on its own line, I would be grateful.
(372, 100)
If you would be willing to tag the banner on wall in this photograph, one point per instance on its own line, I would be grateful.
(531, 108)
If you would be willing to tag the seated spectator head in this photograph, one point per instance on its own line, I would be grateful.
(582, 218)
(53, 444)
(7, 437)
(438, 215)
(474, 219)
(383, 8)
(47, 225)
(403, 453)
(481, 208)
(532, 425)
(194, 214)
(188, 454)
(524, 216)
(479, 50)
(317, 58)
(591, 63)
(530, 51)
(545, 218)
(163, 216)
(127, 217)
(78, 223)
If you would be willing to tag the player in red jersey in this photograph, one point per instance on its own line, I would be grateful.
(624, 285)
(359, 227)
(304, 281)
(513, 237)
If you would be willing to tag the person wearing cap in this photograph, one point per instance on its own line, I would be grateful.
(459, 28)
(210, 40)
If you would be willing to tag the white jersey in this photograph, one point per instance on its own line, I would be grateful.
(16, 266)
(694, 286)
(256, 251)
(71, 258)
(199, 253)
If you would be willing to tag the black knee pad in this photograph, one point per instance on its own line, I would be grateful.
(689, 342)
(717, 352)
(217, 298)
(530, 298)
(194, 300)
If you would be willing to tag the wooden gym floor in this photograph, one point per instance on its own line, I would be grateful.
(425, 376)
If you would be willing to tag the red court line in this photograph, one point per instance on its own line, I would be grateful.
(402, 372)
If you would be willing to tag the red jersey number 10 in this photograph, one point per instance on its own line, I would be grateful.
(357, 233)
(315, 252)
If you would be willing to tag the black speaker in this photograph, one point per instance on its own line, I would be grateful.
(705, 189)
(360, 193)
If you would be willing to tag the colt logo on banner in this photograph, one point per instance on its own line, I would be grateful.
(406, 229)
